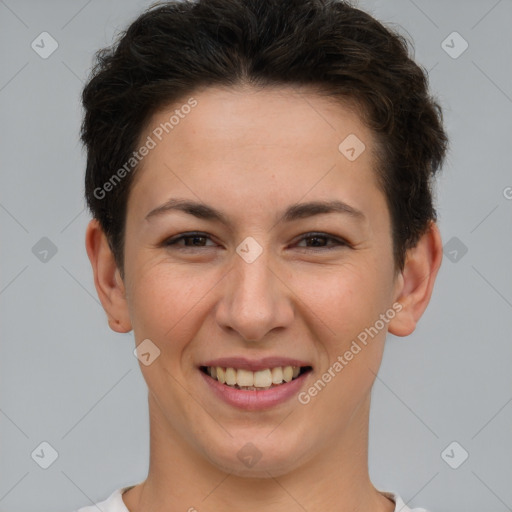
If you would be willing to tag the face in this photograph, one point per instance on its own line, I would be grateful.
(262, 281)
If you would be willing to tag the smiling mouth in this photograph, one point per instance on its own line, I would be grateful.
(247, 380)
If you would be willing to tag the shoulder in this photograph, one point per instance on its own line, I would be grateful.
(400, 505)
(114, 503)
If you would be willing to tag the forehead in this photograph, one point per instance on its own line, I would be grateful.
(270, 143)
(288, 117)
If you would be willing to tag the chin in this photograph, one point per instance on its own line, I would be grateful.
(259, 459)
(262, 469)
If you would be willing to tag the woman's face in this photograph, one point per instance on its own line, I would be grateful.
(254, 292)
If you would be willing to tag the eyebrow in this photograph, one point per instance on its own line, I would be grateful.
(293, 212)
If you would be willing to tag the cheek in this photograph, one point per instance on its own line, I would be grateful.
(350, 304)
(346, 299)
(168, 302)
(159, 299)
(356, 300)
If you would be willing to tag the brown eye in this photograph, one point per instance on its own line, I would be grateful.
(191, 240)
(321, 241)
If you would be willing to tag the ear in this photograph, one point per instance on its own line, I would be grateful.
(107, 278)
(416, 281)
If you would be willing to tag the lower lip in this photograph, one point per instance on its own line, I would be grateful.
(255, 400)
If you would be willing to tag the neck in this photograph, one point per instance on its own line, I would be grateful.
(335, 478)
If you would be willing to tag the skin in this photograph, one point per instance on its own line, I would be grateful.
(251, 153)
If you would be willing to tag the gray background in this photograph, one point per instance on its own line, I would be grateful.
(66, 379)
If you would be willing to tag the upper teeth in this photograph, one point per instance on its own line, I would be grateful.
(259, 379)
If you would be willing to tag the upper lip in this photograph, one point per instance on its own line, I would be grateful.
(254, 364)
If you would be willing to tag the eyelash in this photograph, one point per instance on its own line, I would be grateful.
(173, 241)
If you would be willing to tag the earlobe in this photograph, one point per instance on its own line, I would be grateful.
(417, 281)
(107, 279)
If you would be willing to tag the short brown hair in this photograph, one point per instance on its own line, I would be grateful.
(175, 47)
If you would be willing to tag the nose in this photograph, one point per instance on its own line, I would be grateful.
(255, 299)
